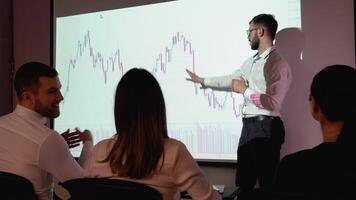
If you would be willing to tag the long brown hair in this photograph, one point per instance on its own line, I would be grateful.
(141, 125)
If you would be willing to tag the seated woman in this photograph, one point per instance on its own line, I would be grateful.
(141, 151)
(327, 171)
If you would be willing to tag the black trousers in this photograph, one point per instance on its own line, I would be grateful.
(258, 158)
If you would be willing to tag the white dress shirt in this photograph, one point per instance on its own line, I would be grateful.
(268, 76)
(30, 149)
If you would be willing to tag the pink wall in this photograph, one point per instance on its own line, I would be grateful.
(31, 27)
(31, 31)
(327, 38)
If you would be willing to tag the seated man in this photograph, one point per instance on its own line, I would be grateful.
(329, 169)
(27, 146)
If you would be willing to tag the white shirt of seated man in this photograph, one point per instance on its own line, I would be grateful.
(29, 148)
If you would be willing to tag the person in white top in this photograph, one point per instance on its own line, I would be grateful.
(27, 146)
(263, 80)
(141, 151)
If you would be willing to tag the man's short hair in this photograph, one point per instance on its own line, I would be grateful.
(268, 21)
(28, 75)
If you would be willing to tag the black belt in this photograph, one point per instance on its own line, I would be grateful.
(257, 118)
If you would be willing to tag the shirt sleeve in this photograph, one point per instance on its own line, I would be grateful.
(190, 178)
(222, 82)
(278, 79)
(55, 158)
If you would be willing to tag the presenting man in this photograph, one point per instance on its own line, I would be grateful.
(263, 79)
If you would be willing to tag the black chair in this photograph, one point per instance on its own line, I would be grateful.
(265, 193)
(103, 188)
(13, 186)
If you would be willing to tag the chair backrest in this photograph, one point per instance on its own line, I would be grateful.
(13, 186)
(103, 188)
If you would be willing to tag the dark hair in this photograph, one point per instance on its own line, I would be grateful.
(28, 75)
(268, 21)
(333, 88)
(140, 119)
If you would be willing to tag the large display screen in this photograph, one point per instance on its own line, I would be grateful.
(94, 50)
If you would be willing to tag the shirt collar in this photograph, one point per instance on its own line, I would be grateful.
(30, 114)
(265, 54)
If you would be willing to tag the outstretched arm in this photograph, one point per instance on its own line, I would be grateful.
(222, 83)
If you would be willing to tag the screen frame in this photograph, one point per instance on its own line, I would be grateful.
(53, 15)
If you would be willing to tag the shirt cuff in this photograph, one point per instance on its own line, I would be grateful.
(254, 97)
(248, 92)
(204, 82)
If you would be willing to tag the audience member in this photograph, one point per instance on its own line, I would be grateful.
(327, 171)
(27, 146)
(141, 151)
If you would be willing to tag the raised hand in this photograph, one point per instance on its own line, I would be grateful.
(193, 77)
(85, 135)
(72, 138)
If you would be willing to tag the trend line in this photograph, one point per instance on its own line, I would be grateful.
(97, 58)
(165, 57)
(161, 63)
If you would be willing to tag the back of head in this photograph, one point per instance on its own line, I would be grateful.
(333, 88)
(140, 119)
(268, 22)
(27, 76)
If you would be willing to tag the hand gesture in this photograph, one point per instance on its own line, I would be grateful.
(72, 138)
(85, 135)
(239, 85)
(193, 77)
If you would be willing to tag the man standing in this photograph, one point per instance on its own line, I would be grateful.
(263, 79)
(27, 146)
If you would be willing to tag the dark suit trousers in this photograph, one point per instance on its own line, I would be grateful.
(257, 159)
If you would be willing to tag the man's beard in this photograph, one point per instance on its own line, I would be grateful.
(46, 111)
(255, 43)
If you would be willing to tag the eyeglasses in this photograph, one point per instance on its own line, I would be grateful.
(248, 31)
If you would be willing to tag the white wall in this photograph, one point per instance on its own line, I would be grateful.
(328, 35)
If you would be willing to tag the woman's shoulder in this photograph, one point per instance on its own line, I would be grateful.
(171, 143)
(105, 142)
(316, 155)
(104, 145)
(174, 147)
(298, 156)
